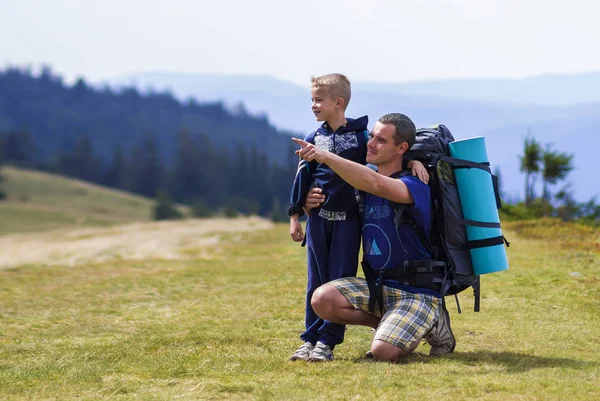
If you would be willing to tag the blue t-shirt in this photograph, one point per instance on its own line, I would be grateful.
(385, 245)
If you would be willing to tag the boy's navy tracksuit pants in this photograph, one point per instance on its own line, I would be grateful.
(333, 248)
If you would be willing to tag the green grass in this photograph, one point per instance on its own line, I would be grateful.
(40, 201)
(222, 325)
(559, 233)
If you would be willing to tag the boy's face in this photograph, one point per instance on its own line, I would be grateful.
(324, 106)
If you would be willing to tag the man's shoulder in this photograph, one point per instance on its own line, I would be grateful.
(412, 180)
(407, 176)
(419, 191)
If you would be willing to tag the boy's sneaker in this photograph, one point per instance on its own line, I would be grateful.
(321, 353)
(303, 352)
(440, 336)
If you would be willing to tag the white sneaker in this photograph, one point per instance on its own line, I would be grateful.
(303, 352)
(321, 353)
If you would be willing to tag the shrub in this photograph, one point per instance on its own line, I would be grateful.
(201, 209)
(230, 212)
(164, 209)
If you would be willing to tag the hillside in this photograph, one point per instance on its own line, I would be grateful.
(40, 201)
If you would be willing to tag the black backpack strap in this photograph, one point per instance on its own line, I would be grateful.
(412, 223)
(474, 223)
(477, 293)
(400, 217)
(461, 163)
(496, 191)
(482, 243)
(375, 285)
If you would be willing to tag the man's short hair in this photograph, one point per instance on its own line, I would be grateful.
(338, 85)
(405, 128)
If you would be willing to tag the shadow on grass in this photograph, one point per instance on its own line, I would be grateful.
(512, 361)
(518, 363)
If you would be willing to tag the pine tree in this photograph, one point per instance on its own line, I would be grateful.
(189, 177)
(19, 148)
(146, 167)
(87, 166)
(164, 209)
(80, 162)
(115, 177)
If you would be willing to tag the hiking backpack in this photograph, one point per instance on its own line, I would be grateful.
(447, 243)
(448, 239)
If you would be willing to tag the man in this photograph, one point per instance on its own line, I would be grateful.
(409, 307)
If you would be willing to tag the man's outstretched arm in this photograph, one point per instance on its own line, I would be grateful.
(357, 175)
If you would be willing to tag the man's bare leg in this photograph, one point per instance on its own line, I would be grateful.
(329, 303)
(387, 352)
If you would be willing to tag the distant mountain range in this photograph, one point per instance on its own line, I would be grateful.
(558, 109)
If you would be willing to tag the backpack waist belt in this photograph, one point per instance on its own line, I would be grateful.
(427, 274)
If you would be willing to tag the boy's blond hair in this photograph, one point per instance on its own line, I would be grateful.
(338, 85)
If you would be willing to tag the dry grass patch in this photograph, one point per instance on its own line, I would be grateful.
(170, 240)
(557, 232)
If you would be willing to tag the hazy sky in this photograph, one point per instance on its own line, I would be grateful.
(369, 40)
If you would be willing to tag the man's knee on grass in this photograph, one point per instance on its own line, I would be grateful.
(326, 300)
(386, 352)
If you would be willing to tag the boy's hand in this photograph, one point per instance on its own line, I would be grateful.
(310, 152)
(314, 198)
(419, 170)
(296, 229)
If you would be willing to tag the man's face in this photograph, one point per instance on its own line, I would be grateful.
(323, 104)
(381, 148)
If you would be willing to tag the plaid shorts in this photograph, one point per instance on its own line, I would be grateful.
(407, 318)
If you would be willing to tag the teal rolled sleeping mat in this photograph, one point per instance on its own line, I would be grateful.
(479, 203)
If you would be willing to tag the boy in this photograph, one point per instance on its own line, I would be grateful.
(333, 230)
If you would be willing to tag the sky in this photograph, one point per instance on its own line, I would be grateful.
(369, 40)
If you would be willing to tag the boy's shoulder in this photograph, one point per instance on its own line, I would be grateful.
(357, 125)
(311, 137)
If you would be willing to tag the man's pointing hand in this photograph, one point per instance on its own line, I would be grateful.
(310, 152)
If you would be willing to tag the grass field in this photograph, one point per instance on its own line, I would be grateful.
(40, 201)
(216, 313)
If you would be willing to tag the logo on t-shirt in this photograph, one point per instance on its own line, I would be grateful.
(374, 248)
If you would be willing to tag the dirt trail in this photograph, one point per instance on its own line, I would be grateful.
(155, 240)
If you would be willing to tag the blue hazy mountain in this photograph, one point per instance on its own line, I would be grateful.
(558, 109)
